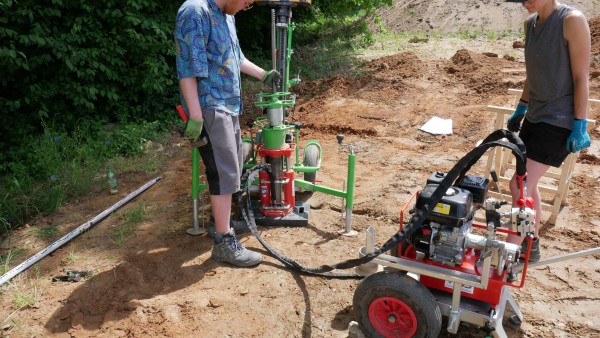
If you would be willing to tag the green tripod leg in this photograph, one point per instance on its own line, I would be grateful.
(197, 188)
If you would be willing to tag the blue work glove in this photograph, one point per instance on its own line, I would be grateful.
(579, 138)
(193, 128)
(514, 121)
(271, 76)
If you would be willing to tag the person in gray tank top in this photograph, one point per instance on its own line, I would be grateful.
(553, 106)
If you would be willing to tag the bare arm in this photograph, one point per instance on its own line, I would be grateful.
(249, 68)
(577, 33)
(525, 94)
(189, 90)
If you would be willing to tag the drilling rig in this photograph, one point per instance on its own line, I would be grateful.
(275, 144)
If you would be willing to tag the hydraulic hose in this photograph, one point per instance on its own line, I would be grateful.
(418, 218)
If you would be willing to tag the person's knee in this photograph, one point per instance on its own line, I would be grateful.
(512, 186)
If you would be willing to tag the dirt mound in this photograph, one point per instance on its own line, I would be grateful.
(595, 32)
(482, 73)
(403, 65)
(420, 16)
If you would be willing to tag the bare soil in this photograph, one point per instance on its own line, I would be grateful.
(161, 281)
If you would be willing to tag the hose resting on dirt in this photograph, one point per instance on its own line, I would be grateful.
(418, 218)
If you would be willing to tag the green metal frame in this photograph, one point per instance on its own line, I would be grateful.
(348, 194)
(282, 100)
(197, 186)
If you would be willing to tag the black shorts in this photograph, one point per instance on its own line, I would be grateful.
(545, 143)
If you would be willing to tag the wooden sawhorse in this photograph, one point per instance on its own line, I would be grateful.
(501, 160)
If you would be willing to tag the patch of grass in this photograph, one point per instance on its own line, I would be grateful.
(329, 47)
(467, 34)
(5, 260)
(439, 44)
(48, 232)
(55, 166)
(73, 255)
(135, 215)
(132, 218)
(23, 300)
(5, 263)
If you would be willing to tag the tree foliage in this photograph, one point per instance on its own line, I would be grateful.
(64, 61)
(347, 7)
(70, 60)
(254, 25)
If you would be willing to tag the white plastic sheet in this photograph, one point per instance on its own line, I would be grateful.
(438, 126)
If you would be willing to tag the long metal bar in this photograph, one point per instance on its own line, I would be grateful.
(560, 258)
(80, 229)
(273, 47)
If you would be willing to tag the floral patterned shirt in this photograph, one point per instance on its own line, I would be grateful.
(209, 50)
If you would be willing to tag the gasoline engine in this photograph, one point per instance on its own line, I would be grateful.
(451, 265)
(447, 235)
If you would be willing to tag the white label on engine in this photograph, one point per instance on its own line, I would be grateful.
(465, 288)
(442, 208)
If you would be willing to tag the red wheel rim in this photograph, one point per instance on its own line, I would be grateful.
(391, 317)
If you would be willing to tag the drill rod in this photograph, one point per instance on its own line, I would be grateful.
(560, 258)
(66, 238)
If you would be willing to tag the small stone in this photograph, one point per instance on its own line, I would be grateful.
(354, 330)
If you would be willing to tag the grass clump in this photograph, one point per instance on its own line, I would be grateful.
(23, 300)
(131, 218)
(55, 166)
(48, 232)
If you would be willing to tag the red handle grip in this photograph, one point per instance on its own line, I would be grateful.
(182, 113)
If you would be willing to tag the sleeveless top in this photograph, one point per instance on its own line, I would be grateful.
(548, 64)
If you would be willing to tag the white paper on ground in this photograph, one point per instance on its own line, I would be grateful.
(438, 126)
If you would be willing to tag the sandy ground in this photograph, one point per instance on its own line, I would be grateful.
(160, 281)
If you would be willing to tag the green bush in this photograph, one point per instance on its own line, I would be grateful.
(82, 82)
(68, 61)
(57, 165)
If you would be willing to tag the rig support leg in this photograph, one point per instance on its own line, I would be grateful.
(505, 299)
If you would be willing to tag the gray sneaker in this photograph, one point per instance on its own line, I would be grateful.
(228, 249)
(535, 254)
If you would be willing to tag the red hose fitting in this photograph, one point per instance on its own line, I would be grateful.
(529, 202)
(521, 186)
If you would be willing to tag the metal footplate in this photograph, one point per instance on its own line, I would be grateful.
(297, 218)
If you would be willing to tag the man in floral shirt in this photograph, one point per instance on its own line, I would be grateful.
(209, 63)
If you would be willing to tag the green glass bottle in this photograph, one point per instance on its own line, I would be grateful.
(112, 181)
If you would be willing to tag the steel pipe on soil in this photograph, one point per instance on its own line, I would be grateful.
(560, 258)
(79, 230)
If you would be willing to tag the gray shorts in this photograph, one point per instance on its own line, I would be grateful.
(222, 155)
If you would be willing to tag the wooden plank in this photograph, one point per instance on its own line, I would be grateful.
(512, 70)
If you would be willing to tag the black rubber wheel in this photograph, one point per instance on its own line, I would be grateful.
(311, 159)
(390, 304)
(247, 152)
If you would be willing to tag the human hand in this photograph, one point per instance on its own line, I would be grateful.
(579, 138)
(271, 76)
(193, 128)
(514, 121)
